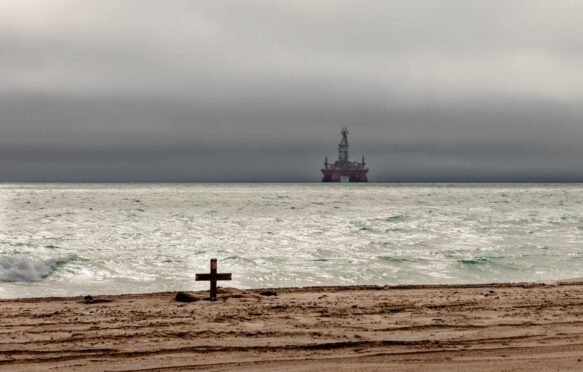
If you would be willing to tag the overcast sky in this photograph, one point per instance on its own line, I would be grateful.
(139, 90)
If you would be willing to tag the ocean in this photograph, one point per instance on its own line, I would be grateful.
(78, 239)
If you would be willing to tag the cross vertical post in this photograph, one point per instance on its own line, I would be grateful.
(213, 280)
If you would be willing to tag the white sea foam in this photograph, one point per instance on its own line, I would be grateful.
(14, 269)
(154, 237)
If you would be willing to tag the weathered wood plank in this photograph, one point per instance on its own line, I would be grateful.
(207, 277)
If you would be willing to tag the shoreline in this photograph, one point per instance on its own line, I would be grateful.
(474, 327)
(314, 288)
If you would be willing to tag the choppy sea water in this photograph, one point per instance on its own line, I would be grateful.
(73, 239)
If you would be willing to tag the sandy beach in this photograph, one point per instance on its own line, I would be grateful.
(502, 327)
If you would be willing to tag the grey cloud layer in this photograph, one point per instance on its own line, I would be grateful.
(257, 90)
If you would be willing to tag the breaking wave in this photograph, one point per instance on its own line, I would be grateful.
(396, 218)
(498, 262)
(397, 259)
(14, 269)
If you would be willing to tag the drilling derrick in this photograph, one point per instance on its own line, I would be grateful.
(343, 146)
(344, 170)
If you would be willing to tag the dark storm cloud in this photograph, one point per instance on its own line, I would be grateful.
(258, 90)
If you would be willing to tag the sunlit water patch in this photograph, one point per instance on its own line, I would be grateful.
(66, 239)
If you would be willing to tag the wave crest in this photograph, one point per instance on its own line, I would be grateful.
(13, 269)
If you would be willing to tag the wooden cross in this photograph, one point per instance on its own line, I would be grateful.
(213, 277)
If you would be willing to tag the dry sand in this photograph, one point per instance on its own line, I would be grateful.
(504, 327)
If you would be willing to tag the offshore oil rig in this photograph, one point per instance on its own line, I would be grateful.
(344, 170)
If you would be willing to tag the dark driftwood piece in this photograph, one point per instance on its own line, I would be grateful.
(185, 297)
(92, 300)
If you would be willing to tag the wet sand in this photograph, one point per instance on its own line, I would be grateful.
(502, 327)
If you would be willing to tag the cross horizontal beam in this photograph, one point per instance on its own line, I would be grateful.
(207, 277)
